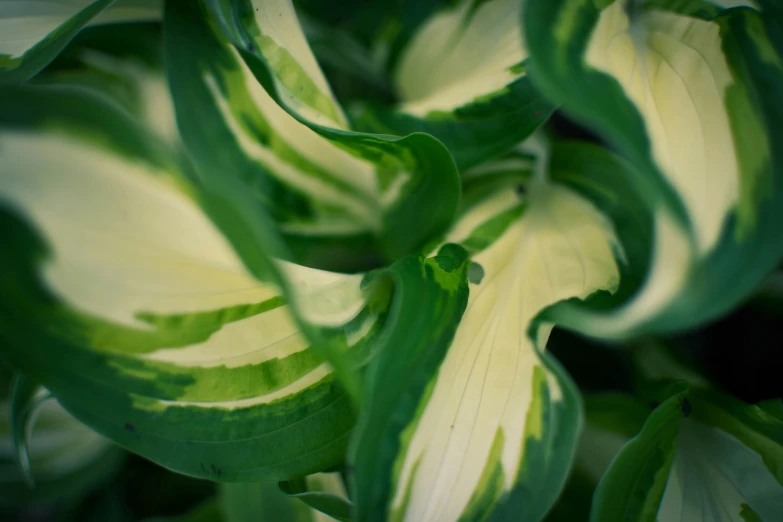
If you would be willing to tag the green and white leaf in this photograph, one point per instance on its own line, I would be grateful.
(512, 170)
(249, 86)
(462, 78)
(433, 74)
(700, 456)
(67, 459)
(686, 91)
(611, 419)
(271, 29)
(33, 32)
(127, 302)
(124, 63)
(323, 493)
(25, 397)
(493, 430)
(158, 331)
(59, 445)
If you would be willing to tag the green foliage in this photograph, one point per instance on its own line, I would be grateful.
(391, 261)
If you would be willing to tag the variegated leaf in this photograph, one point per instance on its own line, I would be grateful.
(611, 419)
(323, 493)
(492, 432)
(701, 455)
(129, 304)
(67, 460)
(462, 77)
(249, 87)
(33, 32)
(687, 91)
(123, 62)
(149, 307)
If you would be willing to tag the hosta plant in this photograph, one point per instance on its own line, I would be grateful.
(243, 269)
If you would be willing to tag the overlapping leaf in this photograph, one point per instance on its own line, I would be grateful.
(124, 63)
(147, 293)
(461, 76)
(154, 328)
(611, 419)
(137, 313)
(700, 456)
(33, 32)
(66, 459)
(323, 493)
(687, 91)
(253, 104)
(491, 431)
